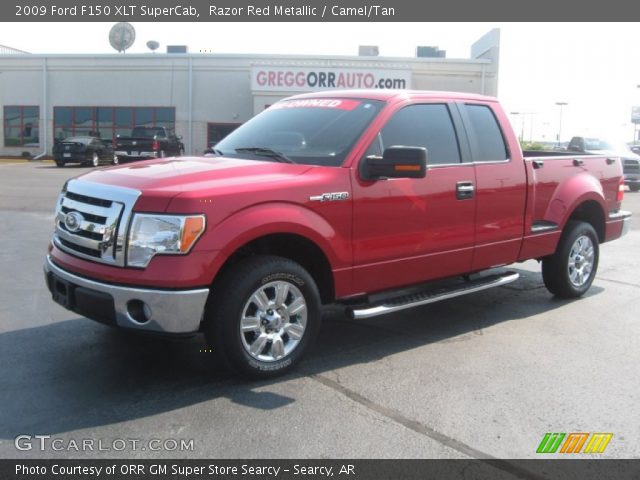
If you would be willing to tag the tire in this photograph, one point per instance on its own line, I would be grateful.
(95, 159)
(162, 154)
(59, 163)
(570, 271)
(116, 160)
(263, 316)
(634, 188)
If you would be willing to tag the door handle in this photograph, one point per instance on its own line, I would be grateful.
(577, 162)
(464, 190)
(538, 164)
(611, 161)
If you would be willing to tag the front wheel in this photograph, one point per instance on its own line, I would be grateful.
(115, 160)
(634, 188)
(59, 163)
(95, 159)
(570, 271)
(263, 316)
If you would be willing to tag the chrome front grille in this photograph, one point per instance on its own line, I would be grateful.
(92, 221)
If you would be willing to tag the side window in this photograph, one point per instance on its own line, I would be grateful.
(488, 143)
(429, 126)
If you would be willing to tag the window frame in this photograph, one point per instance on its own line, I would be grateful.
(219, 124)
(98, 124)
(472, 136)
(456, 124)
(21, 126)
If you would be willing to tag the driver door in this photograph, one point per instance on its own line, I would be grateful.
(408, 231)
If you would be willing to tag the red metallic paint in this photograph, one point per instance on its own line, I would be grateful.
(388, 234)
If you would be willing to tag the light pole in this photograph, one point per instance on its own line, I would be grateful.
(635, 123)
(521, 124)
(523, 120)
(560, 104)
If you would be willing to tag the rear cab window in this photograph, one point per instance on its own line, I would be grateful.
(484, 132)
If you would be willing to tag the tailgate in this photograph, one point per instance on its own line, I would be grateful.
(136, 144)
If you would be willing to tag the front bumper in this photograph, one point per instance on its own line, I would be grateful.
(166, 311)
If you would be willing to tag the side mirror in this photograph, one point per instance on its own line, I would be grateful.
(396, 162)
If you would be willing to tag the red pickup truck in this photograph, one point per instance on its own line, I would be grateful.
(376, 200)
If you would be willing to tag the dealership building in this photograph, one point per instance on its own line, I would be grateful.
(202, 96)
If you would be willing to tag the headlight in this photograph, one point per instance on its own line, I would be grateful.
(152, 234)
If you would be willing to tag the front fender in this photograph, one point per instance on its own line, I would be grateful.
(277, 218)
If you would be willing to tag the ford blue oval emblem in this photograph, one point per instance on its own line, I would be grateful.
(73, 221)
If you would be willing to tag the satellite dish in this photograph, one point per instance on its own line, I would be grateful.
(152, 45)
(121, 36)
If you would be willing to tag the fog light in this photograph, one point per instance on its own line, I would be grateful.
(139, 311)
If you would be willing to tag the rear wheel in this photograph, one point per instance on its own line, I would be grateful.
(59, 163)
(95, 159)
(634, 188)
(263, 316)
(570, 271)
(116, 160)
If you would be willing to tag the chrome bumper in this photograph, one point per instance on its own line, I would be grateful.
(626, 220)
(141, 154)
(169, 311)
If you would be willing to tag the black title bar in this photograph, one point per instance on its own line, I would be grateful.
(312, 11)
(489, 469)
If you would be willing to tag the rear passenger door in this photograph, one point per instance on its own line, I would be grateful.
(500, 187)
(408, 231)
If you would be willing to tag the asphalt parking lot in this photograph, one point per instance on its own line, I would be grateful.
(486, 375)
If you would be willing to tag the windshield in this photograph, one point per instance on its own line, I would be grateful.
(308, 131)
(608, 145)
(146, 132)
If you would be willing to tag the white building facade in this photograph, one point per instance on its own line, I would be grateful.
(202, 96)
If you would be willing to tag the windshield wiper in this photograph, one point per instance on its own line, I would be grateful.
(213, 151)
(266, 152)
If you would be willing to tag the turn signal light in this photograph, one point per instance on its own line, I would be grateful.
(407, 168)
(193, 227)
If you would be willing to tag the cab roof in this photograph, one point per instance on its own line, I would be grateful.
(387, 95)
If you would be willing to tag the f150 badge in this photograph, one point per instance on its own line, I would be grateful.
(330, 197)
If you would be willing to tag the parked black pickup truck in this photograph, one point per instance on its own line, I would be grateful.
(148, 142)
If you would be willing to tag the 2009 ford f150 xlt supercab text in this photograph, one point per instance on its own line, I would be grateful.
(364, 198)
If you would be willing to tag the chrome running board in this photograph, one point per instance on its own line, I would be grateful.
(424, 298)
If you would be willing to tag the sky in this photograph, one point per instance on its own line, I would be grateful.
(593, 67)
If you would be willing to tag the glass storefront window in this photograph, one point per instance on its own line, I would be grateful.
(21, 126)
(107, 122)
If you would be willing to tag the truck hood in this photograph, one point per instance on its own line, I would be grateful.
(161, 180)
(176, 175)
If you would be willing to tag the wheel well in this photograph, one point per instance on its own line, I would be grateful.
(294, 247)
(591, 212)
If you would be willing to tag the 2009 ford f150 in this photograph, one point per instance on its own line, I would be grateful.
(363, 198)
